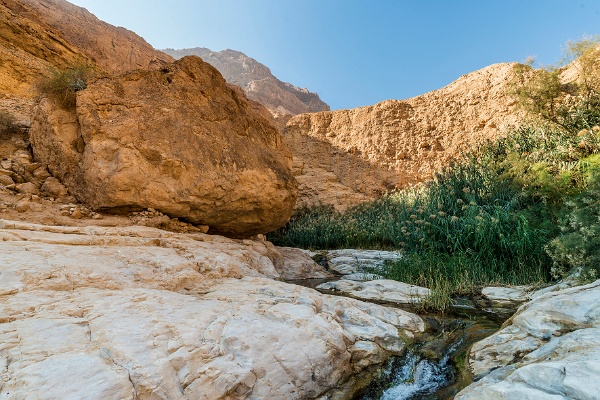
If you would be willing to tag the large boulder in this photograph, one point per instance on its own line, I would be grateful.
(178, 140)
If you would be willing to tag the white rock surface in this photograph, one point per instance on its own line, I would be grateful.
(550, 349)
(382, 290)
(140, 313)
(349, 261)
(504, 295)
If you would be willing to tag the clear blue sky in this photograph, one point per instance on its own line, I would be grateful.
(360, 52)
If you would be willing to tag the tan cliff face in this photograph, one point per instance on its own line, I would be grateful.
(348, 156)
(38, 35)
(282, 99)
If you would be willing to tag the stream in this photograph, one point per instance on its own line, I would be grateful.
(434, 368)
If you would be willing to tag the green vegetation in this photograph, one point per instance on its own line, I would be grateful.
(7, 124)
(63, 84)
(520, 210)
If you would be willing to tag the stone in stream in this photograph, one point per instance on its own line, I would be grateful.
(350, 261)
(381, 290)
(550, 349)
(507, 295)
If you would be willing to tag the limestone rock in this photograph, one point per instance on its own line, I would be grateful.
(6, 180)
(380, 290)
(27, 188)
(126, 313)
(282, 99)
(393, 144)
(350, 261)
(507, 295)
(299, 265)
(178, 140)
(548, 349)
(41, 34)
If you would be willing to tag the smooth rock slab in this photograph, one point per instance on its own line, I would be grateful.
(550, 349)
(140, 313)
(381, 290)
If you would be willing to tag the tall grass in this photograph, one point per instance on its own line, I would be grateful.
(482, 221)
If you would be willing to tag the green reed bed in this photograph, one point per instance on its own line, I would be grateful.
(487, 220)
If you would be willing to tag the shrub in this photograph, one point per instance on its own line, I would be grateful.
(7, 124)
(63, 84)
(577, 249)
(574, 105)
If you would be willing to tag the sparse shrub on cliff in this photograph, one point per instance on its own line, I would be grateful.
(574, 105)
(7, 124)
(63, 84)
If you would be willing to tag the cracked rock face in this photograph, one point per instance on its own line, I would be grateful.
(345, 157)
(178, 140)
(550, 349)
(140, 313)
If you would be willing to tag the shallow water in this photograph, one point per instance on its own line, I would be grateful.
(428, 370)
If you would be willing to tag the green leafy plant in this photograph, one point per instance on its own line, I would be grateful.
(573, 105)
(63, 84)
(577, 249)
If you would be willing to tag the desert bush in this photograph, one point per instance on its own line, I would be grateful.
(63, 84)
(574, 105)
(7, 123)
(577, 249)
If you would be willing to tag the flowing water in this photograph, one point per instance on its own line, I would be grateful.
(434, 368)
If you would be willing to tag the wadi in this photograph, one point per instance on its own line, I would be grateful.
(182, 224)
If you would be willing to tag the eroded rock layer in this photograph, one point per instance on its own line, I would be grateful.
(178, 140)
(348, 156)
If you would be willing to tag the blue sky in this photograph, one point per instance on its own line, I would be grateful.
(354, 52)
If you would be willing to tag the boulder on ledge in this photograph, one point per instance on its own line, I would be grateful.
(179, 140)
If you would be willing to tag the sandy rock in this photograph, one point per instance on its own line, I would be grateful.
(350, 261)
(550, 347)
(195, 149)
(27, 188)
(40, 174)
(53, 187)
(380, 290)
(23, 205)
(114, 49)
(140, 313)
(6, 180)
(393, 144)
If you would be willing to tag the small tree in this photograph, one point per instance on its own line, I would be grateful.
(574, 105)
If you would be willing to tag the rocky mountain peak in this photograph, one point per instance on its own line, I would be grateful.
(282, 99)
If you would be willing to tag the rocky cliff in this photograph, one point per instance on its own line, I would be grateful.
(282, 99)
(347, 156)
(37, 35)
